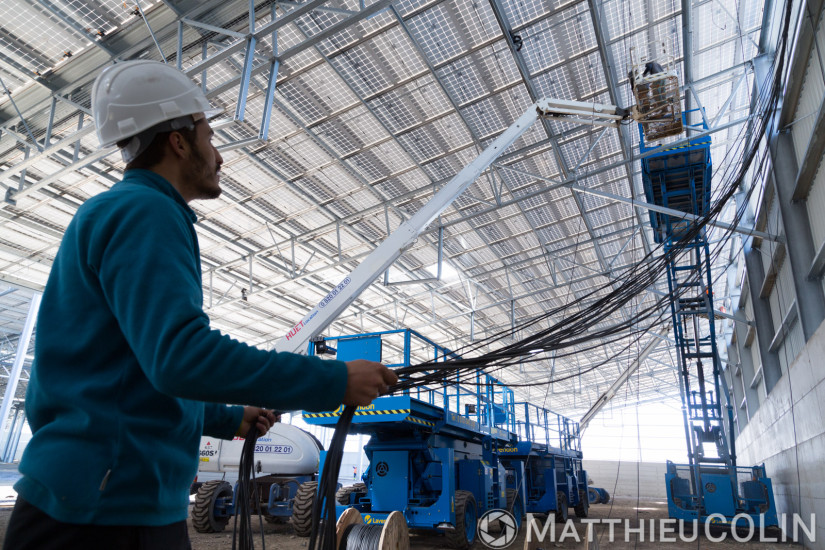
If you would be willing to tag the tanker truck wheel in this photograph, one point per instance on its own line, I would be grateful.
(593, 496)
(204, 516)
(302, 508)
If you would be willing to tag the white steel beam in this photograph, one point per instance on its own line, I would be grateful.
(17, 366)
(611, 391)
(334, 303)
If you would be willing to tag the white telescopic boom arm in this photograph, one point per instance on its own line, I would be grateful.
(334, 303)
(580, 112)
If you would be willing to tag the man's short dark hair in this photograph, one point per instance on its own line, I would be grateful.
(153, 155)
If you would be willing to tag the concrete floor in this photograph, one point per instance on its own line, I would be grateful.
(282, 537)
(628, 511)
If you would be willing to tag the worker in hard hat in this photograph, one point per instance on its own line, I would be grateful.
(127, 374)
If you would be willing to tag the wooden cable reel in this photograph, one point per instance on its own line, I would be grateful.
(353, 534)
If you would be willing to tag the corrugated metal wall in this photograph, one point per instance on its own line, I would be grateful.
(754, 347)
(810, 98)
(785, 288)
(793, 345)
(786, 299)
(813, 91)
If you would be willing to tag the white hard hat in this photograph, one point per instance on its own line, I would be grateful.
(131, 97)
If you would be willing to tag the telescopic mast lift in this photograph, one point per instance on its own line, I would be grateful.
(380, 259)
(712, 487)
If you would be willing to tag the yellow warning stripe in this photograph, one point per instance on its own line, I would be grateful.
(357, 413)
(422, 422)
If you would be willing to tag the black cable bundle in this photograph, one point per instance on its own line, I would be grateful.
(323, 535)
(242, 537)
(581, 327)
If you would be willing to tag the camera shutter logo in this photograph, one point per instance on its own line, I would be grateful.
(501, 536)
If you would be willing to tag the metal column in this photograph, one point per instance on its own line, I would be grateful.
(771, 370)
(748, 372)
(810, 298)
(17, 367)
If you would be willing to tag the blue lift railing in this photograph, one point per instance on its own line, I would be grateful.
(680, 178)
(477, 396)
(546, 428)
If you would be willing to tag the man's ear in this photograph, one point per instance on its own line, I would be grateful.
(178, 144)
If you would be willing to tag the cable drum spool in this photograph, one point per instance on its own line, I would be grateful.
(353, 534)
(359, 536)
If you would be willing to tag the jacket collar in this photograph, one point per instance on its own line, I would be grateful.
(151, 179)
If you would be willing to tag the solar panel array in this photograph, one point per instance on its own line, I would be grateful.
(377, 104)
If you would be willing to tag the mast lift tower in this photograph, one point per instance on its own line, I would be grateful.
(711, 487)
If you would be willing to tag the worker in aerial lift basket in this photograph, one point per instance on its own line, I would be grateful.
(127, 374)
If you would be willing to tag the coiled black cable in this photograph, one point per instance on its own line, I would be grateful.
(361, 537)
(323, 536)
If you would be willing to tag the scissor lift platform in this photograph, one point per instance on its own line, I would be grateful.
(544, 466)
(676, 177)
(431, 450)
(405, 415)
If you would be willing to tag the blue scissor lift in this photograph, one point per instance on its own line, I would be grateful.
(431, 451)
(711, 487)
(444, 456)
(545, 464)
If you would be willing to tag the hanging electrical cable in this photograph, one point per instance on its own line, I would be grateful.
(577, 326)
(247, 493)
(323, 535)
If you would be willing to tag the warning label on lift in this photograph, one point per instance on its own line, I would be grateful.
(358, 412)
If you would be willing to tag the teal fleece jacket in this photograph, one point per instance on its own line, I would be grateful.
(127, 373)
